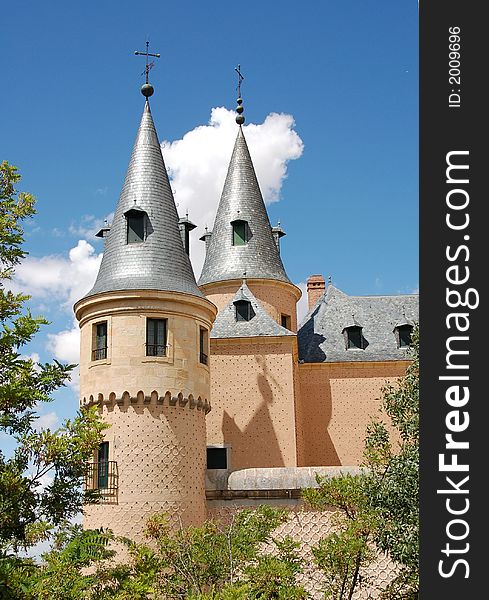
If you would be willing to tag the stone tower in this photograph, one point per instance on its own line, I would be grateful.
(254, 342)
(145, 329)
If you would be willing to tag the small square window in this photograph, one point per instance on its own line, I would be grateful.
(217, 458)
(285, 321)
(156, 337)
(99, 351)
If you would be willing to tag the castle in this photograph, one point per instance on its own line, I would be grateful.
(213, 394)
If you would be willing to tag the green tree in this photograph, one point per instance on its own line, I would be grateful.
(393, 483)
(379, 506)
(343, 554)
(29, 510)
(63, 572)
(220, 560)
(215, 561)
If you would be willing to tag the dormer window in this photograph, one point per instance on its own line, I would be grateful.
(136, 225)
(403, 335)
(354, 338)
(241, 233)
(244, 310)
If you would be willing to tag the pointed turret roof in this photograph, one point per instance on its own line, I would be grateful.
(160, 261)
(242, 200)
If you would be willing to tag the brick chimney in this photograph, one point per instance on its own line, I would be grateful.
(315, 289)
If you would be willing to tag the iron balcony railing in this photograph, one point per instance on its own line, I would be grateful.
(103, 476)
(203, 358)
(99, 353)
(155, 350)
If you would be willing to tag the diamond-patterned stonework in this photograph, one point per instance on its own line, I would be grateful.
(160, 455)
(307, 527)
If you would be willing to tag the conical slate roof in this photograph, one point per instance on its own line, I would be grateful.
(241, 199)
(160, 261)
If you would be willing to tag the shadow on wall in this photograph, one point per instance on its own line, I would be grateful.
(309, 341)
(257, 443)
(317, 411)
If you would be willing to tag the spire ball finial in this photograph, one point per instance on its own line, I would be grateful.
(147, 90)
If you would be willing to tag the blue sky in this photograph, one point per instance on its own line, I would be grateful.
(346, 72)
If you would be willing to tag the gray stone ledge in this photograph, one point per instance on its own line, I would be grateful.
(284, 479)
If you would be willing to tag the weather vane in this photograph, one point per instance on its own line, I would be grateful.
(240, 79)
(147, 89)
(239, 109)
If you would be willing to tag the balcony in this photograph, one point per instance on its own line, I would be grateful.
(155, 350)
(102, 479)
(99, 353)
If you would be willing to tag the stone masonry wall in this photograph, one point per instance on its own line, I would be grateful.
(337, 402)
(252, 383)
(160, 455)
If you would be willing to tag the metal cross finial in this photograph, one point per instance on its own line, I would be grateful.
(149, 65)
(240, 79)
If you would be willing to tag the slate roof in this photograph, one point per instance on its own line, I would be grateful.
(321, 339)
(160, 262)
(241, 199)
(262, 324)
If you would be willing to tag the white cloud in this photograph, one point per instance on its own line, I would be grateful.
(57, 277)
(64, 281)
(197, 165)
(65, 347)
(89, 225)
(48, 421)
(34, 356)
